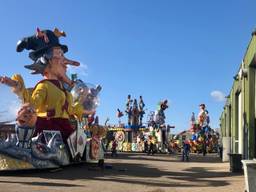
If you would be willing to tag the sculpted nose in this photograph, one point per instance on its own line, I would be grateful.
(71, 62)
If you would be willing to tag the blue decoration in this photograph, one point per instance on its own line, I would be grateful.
(24, 135)
(194, 137)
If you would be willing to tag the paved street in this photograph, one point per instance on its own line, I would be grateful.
(132, 172)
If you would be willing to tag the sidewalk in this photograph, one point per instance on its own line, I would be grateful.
(168, 173)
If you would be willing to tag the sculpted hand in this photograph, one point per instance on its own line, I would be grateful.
(8, 81)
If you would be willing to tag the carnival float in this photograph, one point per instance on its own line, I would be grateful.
(135, 135)
(201, 137)
(56, 124)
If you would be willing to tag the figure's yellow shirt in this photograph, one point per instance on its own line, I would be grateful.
(47, 99)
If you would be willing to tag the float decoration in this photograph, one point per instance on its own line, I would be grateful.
(134, 135)
(94, 150)
(135, 112)
(202, 138)
(86, 94)
(44, 132)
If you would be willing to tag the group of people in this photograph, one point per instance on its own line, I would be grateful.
(200, 127)
(150, 145)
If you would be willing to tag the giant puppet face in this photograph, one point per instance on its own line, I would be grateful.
(26, 116)
(57, 67)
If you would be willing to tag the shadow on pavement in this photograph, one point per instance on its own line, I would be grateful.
(49, 184)
(135, 173)
(209, 158)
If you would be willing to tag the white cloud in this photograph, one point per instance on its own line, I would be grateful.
(81, 70)
(218, 96)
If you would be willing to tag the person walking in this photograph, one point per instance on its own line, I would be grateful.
(151, 145)
(113, 149)
(185, 151)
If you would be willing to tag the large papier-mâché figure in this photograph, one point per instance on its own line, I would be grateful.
(159, 116)
(52, 103)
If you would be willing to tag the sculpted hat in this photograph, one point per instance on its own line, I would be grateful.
(40, 44)
(203, 105)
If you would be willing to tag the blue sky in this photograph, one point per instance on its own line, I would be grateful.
(178, 50)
